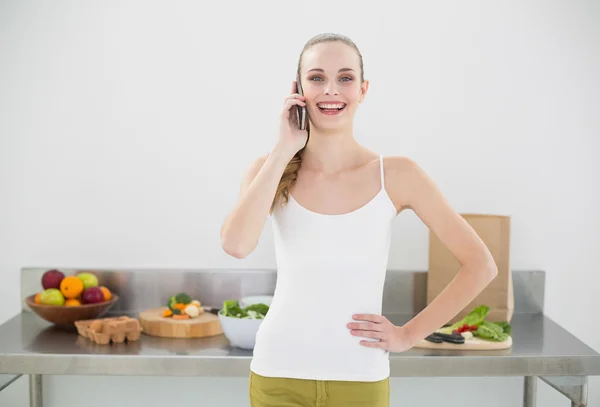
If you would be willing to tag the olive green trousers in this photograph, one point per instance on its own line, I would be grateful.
(287, 392)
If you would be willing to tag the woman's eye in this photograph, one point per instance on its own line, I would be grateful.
(343, 79)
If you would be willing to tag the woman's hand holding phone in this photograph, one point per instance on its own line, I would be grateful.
(291, 138)
(243, 226)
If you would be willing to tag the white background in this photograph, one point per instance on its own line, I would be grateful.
(125, 128)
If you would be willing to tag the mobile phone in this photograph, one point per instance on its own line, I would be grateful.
(301, 110)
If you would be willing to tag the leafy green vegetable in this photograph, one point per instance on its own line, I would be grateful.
(231, 308)
(475, 317)
(261, 309)
(172, 302)
(183, 298)
(494, 331)
(493, 326)
(506, 327)
(488, 331)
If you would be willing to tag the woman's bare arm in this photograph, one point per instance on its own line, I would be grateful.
(243, 225)
(410, 187)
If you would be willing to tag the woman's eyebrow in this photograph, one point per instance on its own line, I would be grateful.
(341, 70)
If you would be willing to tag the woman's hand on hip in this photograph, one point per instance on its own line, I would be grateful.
(390, 337)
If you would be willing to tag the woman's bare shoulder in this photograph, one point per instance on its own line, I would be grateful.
(399, 163)
(404, 177)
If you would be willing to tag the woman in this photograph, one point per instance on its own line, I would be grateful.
(324, 341)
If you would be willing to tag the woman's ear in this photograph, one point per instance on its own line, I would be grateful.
(364, 88)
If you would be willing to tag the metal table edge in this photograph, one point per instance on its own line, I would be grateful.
(238, 366)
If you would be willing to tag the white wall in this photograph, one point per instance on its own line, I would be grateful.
(125, 128)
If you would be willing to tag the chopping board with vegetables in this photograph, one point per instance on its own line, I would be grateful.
(183, 317)
(473, 332)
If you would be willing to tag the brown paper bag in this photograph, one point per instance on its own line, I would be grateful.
(494, 230)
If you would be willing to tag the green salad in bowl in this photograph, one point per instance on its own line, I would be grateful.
(240, 324)
(232, 308)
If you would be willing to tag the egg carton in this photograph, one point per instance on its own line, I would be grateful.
(103, 331)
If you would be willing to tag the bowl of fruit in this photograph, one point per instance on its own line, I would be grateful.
(65, 299)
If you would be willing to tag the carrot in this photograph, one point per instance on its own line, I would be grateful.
(182, 316)
(167, 313)
(180, 306)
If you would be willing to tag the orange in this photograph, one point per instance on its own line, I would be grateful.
(71, 287)
(106, 292)
(37, 298)
(72, 303)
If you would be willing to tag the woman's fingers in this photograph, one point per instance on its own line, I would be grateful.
(366, 326)
(370, 317)
(374, 344)
(291, 102)
(369, 334)
(295, 96)
(286, 111)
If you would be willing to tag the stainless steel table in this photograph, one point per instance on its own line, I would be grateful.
(30, 346)
(541, 349)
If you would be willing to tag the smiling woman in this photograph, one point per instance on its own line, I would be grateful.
(332, 202)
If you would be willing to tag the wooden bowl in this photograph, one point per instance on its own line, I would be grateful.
(66, 316)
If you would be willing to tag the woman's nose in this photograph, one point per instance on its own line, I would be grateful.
(331, 89)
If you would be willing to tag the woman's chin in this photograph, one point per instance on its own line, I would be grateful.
(330, 126)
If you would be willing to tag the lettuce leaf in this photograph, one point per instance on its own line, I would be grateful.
(231, 308)
(261, 309)
(475, 317)
(494, 331)
(506, 327)
(491, 331)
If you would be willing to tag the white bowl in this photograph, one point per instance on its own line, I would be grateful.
(240, 332)
(256, 299)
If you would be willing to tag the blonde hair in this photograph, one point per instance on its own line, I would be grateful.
(290, 173)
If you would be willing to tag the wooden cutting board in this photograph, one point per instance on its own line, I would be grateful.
(154, 324)
(471, 344)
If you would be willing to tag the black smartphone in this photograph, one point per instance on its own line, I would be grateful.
(301, 110)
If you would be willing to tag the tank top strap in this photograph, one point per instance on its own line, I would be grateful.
(381, 170)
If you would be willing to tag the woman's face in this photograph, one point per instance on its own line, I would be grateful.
(330, 77)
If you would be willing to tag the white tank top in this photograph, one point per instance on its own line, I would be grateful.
(329, 267)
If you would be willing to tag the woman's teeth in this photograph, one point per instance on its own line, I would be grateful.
(330, 106)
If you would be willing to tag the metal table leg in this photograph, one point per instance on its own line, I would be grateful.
(572, 387)
(529, 391)
(7, 379)
(35, 390)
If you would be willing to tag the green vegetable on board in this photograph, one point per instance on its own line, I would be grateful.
(171, 303)
(487, 331)
(183, 298)
(493, 331)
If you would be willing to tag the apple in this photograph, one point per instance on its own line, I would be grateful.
(52, 279)
(52, 296)
(89, 280)
(92, 295)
